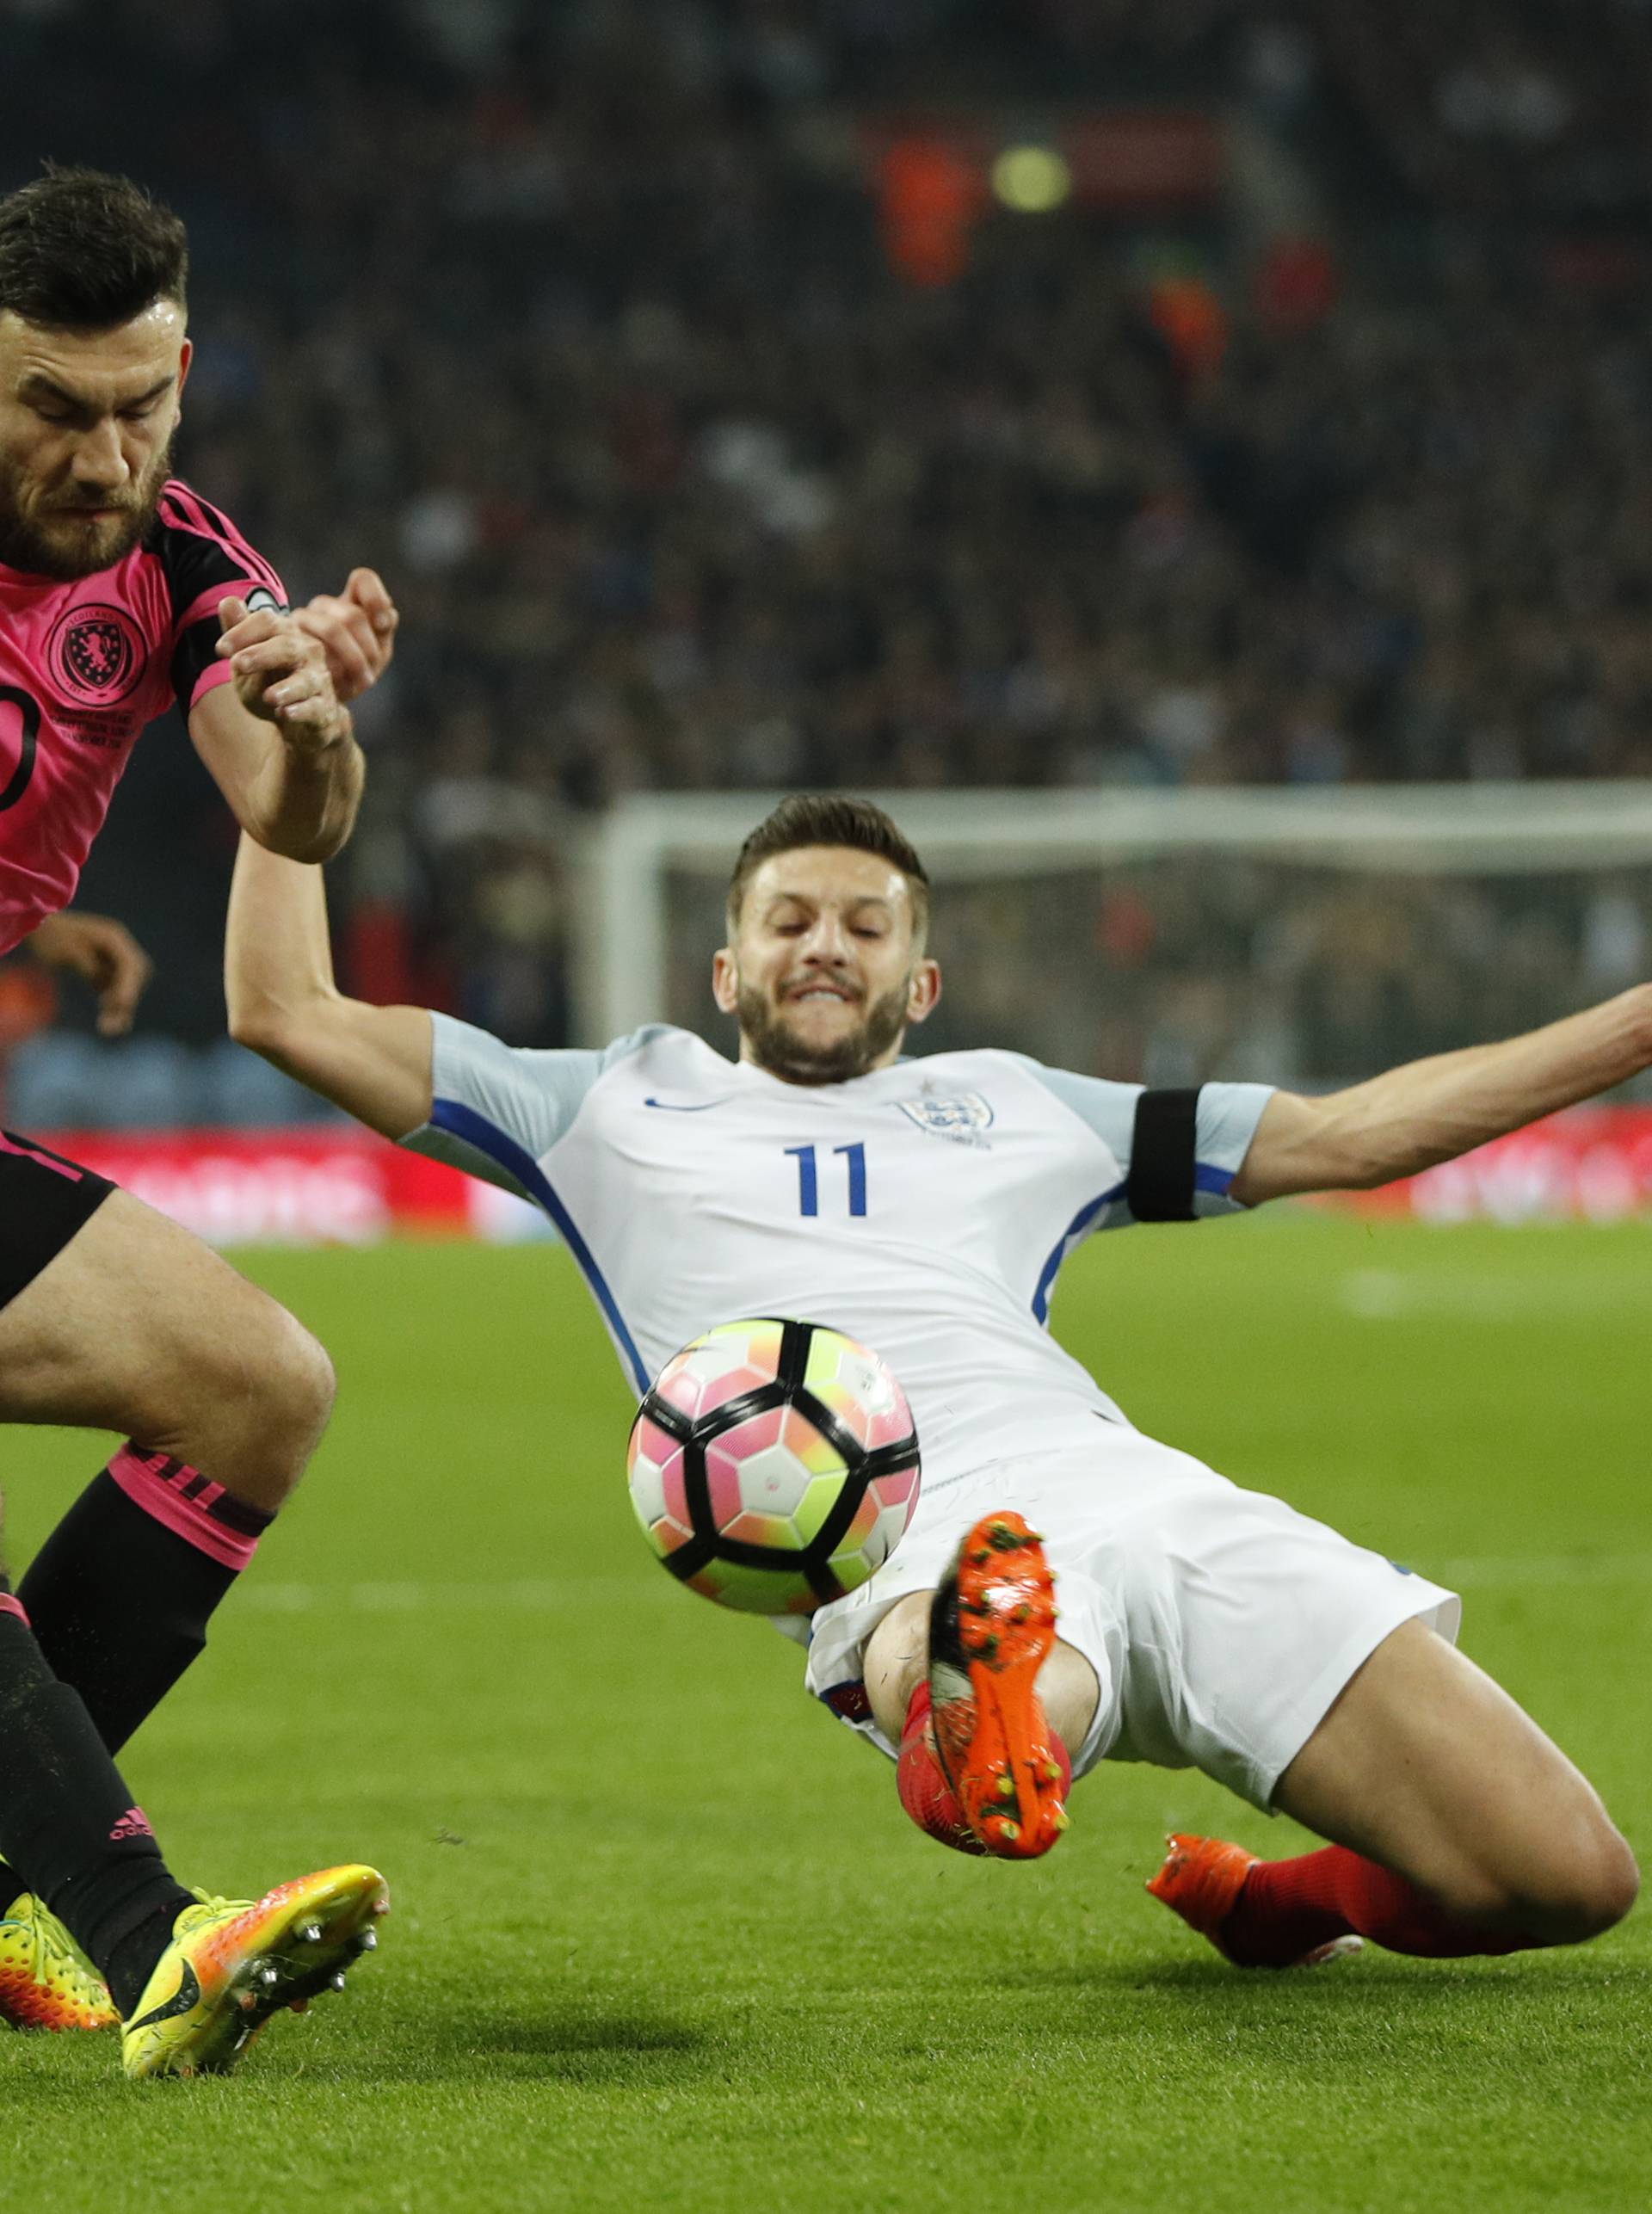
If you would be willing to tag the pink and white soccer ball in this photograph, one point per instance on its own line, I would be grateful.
(773, 1465)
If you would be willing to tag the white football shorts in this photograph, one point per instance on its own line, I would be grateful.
(1220, 1623)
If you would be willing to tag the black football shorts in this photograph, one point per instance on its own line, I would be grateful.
(44, 1200)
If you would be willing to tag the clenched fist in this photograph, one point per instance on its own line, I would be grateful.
(357, 629)
(282, 676)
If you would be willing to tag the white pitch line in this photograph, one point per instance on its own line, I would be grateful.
(1379, 1295)
(1539, 1569)
(522, 1596)
(543, 1595)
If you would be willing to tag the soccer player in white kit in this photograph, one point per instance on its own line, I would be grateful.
(925, 1206)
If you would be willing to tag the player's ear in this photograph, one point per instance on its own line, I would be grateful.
(186, 355)
(924, 992)
(725, 980)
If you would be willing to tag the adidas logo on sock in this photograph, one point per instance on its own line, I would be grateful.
(135, 1823)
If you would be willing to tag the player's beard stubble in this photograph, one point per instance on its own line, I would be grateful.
(66, 548)
(776, 1047)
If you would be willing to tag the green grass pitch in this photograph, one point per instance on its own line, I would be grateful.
(662, 1937)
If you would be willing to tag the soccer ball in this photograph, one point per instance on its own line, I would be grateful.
(773, 1465)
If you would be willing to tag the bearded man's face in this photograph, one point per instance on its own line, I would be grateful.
(825, 968)
(87, 422)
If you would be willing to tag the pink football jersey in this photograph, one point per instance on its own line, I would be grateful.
(84, 667)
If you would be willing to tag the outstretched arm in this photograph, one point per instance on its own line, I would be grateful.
(374, 1062)
(1427, 1112)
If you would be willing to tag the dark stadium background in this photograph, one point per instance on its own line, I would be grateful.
(717, 427)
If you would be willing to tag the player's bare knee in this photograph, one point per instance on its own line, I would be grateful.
(299, 1388)
(250, 1412)
(1585, 1881)
(1620, 1881)
(1592, 1890)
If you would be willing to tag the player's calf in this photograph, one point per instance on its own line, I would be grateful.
(1297, 1912)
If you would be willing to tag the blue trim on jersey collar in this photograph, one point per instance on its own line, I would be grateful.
(464, 1122)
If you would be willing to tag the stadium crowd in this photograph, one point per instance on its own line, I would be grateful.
(575, 320)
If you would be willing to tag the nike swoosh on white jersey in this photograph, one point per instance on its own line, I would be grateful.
(686, 1107)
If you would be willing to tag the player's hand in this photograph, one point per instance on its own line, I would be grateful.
(356, 629)
(281, 675)
(106, 954)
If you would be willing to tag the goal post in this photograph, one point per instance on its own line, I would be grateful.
(1193, 920)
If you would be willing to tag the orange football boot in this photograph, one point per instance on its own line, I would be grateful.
(991, 1626)
(1201, 1880)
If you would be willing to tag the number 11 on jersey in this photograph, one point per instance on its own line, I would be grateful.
(855, 1156)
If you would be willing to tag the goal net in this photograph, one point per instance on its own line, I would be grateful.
(1307, 936)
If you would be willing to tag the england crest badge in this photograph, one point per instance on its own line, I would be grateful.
(963, 1117)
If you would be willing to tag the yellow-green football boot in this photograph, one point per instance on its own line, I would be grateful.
(46, 1983)
(233, 1963)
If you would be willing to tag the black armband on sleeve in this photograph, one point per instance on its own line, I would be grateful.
(195, 652)
(1163, 1156)
(203, 557)
(196, 648)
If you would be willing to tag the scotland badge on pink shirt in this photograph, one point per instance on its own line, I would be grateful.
(83, 666)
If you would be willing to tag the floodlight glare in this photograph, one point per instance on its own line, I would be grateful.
(1032, 180)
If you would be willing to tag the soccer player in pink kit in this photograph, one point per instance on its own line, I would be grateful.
(121, 590)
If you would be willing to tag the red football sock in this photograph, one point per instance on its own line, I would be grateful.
(1289, 1906)
(925, 1792)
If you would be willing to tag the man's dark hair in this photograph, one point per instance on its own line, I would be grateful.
(826, 819)
(82, 252)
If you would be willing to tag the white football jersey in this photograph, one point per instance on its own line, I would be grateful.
(925, 1209)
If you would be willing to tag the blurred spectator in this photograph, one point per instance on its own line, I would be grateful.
(576, 319)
